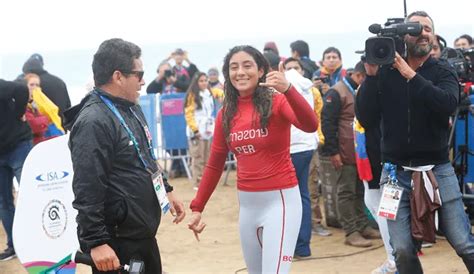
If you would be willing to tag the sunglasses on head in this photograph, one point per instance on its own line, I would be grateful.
(138, 73)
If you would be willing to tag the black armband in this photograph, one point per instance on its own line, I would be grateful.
(168, 187)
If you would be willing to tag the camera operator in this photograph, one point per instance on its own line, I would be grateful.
(183, 73)
(412, 101)
(164, 81)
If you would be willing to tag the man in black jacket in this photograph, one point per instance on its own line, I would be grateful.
(15, 143)
(113, 161)
(51, 85)
(413, 99)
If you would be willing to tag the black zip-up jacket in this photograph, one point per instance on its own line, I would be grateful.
(113, 192)
(414, 114)
(309, 67)
(372, 146)
(13, 101)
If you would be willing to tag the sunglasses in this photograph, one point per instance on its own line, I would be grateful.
(139, 74)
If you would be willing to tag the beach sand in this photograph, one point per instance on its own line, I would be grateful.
(219, 249)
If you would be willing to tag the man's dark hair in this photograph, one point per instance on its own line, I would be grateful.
(465, 36)
(422, 14)
(359, 67)
(112, 55)
(441, 42)
(291, 59)
(272, 59)
(301, 47)
(332, 49)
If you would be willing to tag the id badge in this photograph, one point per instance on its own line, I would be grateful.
(390, 201)
(209, 126)
(160, 191)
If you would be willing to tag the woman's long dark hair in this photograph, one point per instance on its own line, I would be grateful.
(194, 90)
(262, 97)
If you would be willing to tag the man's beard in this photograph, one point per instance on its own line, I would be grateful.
(416, 50)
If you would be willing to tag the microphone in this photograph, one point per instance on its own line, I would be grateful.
(413, 29)
(135, 267)
(375, 28)
(81, 258)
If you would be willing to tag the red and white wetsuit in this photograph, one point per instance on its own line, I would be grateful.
(264, 168)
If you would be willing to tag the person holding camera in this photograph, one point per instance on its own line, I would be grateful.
(117, 181)
(412, 100)
(321, 84)
(183, 73)
(165, 80)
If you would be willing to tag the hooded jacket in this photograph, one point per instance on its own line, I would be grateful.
(114, 193)
(309, 67)
(52, 86)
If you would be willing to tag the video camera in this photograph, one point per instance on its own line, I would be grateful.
(380, 50)
(462, 60)
(324, 79)
(169, 73)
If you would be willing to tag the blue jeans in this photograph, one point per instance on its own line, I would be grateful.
(301, 161)
(11, 164)
(453, 221)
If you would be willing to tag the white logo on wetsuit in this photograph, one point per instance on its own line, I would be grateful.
(247, 134)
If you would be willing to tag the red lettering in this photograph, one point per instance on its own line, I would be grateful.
(287, 258)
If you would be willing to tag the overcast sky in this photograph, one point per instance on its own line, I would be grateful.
(32, 26)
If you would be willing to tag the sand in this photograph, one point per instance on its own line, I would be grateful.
(219, 249)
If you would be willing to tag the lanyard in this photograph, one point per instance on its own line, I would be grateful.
(115, 111)
(146, 130)
(336, 78)
(348, 85)
(392, 172)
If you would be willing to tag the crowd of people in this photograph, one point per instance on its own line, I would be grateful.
(279, 117)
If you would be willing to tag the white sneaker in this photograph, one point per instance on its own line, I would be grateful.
(426, 245)
(387, 267)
